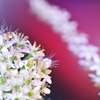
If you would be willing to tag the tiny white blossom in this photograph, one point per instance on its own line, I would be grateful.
(19, 38)
(47, 62)
(46, 90)
(88, 52)
(3, 68)
(96, 65)
(95, 79)
(78, 39)
(85, 63)
(76, 49)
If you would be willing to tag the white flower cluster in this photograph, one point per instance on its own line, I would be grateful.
(24, 69)
(77, 41)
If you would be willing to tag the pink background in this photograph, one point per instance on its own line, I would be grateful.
(70, 81)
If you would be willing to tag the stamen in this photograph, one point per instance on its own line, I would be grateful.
(26, 37)
(9, 35)
(42, 50)
(39, 46)
(34, 44)
(19, 34)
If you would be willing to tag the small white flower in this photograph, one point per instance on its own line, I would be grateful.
(35, 74)
(47, 62)
(36, 82)
(19, 38)
(14, 72)
(37, 89)
(46, 90)
(95, 79)
(74, 48)
(16, 52)
(78, 39)
(25, 74)
(96, 65)
(3, 68)
(7, 88)
(88, 52)
(65, 28)
(25, 89)
(35, 50)
(85, 63)
(48, 79)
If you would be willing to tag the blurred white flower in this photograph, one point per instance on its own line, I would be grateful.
(85, 63)
(78, 39)
(95, 79)
(88, 51)
(96, 65)
(66, 27)
(74, 48)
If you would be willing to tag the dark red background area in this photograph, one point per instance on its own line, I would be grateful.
(70, 81)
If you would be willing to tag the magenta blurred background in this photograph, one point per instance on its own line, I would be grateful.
(70, 81)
